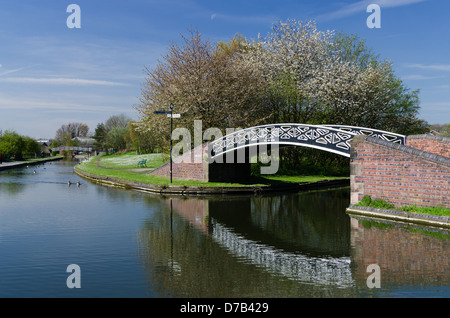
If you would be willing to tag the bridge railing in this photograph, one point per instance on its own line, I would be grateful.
(87, 149)
(331, 138)
(381, 134)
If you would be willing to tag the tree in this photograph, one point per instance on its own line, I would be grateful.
(12, 144)
(69, 131)
(372, 95)
(116, 138)
(296, 74)
(441, 129)
(120, 120)
(143, 142)
(31, 146)
(100, 135)
(205, 81)
(113, 133)
(318, 77)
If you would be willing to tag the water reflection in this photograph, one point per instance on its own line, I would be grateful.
(220, 247)
(293, 245)
(407, 256)
(131, 244)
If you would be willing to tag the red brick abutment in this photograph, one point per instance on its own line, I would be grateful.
(417, 173)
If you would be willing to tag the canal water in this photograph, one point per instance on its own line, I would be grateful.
(129, 244)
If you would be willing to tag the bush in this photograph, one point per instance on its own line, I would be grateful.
(376, 203)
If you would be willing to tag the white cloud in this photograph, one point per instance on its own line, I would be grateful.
(60, 81)
(42, 106)
(419, 77)
(11, 71)
(241, 19)
(361, 6)
(437, 106)
(433, 67)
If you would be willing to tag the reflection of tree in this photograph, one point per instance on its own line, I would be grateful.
(183, 261)
(12, 188)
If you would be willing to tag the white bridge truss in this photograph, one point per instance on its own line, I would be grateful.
(331, 138)
(87, 149)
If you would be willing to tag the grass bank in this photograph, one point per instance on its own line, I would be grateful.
(129, 160)
(381, 204)
(125, 167)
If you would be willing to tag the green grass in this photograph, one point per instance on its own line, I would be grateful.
(300, 179)
(130, 160)
(381, 204)
(92, 168)
(118, 166)
(38, 159)
(438, 210)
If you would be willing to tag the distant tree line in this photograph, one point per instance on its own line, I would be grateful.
(16, 147)
(118, 132)
(441, 129)
(296, 74)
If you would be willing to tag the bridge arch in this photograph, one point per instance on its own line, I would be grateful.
(330, 138)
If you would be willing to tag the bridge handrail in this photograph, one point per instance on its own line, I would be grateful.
(71, 148)
(339, 127)
(369, 129)
(316, 135)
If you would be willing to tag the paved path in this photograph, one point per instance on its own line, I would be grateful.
(18, 164)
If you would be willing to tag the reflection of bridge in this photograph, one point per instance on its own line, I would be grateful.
(320, 270)
(87, 149)
(331, 138)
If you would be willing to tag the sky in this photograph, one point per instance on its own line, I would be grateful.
(52, 74)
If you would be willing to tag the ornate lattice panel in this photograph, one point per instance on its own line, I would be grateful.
(384, 135)
(332, 138)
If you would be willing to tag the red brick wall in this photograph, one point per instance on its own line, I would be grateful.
(434, 144)
(398, 174)
(187, 170)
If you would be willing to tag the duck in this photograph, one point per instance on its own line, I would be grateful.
(69, 183)
(78, 183)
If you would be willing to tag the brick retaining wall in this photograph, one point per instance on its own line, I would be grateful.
(399, 174)
(193, 166)
(190, 166)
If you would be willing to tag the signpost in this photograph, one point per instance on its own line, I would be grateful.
(169, 114)
(163, 112)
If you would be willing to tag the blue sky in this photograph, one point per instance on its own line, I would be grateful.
(52, 75)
